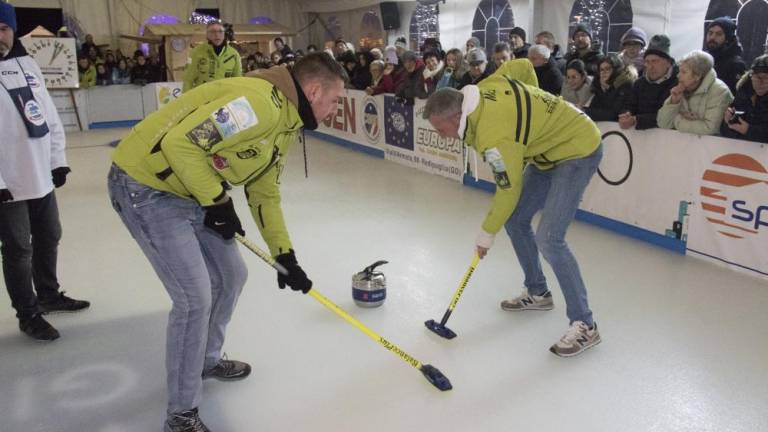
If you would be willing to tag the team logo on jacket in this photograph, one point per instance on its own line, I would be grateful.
(205, 135)
(248, 154)
(235, 117)
(33, 113)
(32, 80)
(220, 163)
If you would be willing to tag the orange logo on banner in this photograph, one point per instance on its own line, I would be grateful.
(728, 174)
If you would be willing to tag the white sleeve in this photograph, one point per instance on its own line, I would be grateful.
(2, 182)
(55, 127)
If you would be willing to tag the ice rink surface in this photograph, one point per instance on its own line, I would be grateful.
(684, 346)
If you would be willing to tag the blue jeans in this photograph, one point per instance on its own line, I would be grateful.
(557, 193)
(203, 274)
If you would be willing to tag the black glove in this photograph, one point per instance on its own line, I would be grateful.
(223, 219)
(59, 176)
(5, 195)
(296, 278)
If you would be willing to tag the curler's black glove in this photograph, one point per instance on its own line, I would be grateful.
(59, 176)
(5, 195)
(223, 219)
(296, 278)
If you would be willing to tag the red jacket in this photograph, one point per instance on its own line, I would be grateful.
(386, 85)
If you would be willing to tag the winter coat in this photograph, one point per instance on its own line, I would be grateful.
(755, 113)
(414, 84)
(522, 52)
(26, 162)
(121, 76)
(513, 124)
(467, 79)
(399, 76)
(431, 78)
(557, 54)
(707, 103)
(519, 70)
(578, 97)
(591, 59)
(606, 105)
(87, 76)
(207, 66)
(647, 98)
(141, 75)
(549, 77)
(361, 78)
(237, 130)
(729, 65)
(384, 85)
(452, 78)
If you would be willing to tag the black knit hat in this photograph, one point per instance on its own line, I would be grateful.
(659, 45)
(582, 28)
(517, 31)
(760, 64)
(726, 23)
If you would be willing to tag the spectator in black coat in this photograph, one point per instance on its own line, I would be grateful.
(478, 68)
(362, 75)
(723, 45)
(517, 42)
(282, 47)
(348, 60)
(585, 50)
(752, 101)
(141, 74)
(548, 39)
(549, 76)
(651, 90)
(103, 77)
(611, 90)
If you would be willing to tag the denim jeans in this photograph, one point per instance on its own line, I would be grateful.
(30, 232)
(557, 193)
(203, 274)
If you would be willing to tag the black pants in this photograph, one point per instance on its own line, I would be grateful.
(29, 234)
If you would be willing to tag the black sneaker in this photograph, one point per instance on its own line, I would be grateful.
(228, 370)
(185, 421)
(38, 328)
(62, 303)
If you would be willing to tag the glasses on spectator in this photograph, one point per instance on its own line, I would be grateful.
(606, 69)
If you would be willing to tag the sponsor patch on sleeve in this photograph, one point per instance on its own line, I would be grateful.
(205, 135)
(234, 117)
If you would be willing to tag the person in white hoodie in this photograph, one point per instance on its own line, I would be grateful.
(32, 162)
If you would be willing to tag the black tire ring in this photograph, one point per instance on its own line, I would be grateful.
(631, 159)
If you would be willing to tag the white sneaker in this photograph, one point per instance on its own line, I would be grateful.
(526, 301)
(577, 339)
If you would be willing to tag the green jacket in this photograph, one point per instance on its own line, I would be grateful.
(519, 70)
(236, 130)
(206, 66)
(512, 124)
(707, 104)
(88, 77)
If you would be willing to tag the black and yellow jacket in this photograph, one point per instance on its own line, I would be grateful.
(513, 124)
(235, 130)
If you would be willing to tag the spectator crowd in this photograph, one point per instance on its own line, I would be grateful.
(706, 92)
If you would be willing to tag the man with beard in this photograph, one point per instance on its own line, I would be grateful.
(584, 50)
(723, 44)
(214, 60)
